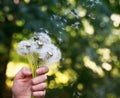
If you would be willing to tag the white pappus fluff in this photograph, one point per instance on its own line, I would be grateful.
(41, 44)
(49, 53)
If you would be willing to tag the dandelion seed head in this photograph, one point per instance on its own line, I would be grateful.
(40, 44)
(42, 37)
(23, 48)
(50, 54)
(34, 47)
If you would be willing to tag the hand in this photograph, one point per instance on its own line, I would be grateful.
(24, 86)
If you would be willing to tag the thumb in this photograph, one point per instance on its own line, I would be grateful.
(23, 73)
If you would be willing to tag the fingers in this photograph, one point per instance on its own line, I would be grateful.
(41, 75)
(39, 94)
(24, 72)
(42, 70)
(39, 90)
(39, 83)
(39, 79)
(39, 87)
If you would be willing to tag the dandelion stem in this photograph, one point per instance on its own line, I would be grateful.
(33, 61)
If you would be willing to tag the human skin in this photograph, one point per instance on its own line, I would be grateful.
(24, 86)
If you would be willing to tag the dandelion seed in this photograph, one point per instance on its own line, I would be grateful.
(63, 28)
(60, 40)
(35, 38)
(54, 16)
(74, 94)
(57, 25)
(65, 20)
(75, 25)
(67, 12)
(40, 43)
(78, 93)
(46, 31)
(50, 53)
(71, 85)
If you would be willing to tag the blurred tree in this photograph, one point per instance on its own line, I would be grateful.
(87, 33)
(7, 27)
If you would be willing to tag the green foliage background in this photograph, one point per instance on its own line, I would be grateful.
(87, 48)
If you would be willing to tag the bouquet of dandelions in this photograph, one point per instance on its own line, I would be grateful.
(39, 51)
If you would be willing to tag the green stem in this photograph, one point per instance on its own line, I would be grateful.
(33, 61)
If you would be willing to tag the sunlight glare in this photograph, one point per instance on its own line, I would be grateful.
(116, 19)
(26, 1)
(105, 54)
(88, 27)
(107, 66)
(72, 2)
(13, 68)
(19, 22)
(92, 65)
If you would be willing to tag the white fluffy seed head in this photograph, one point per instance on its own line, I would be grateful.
(40, 44)
(42, 37)
(23, 48)
(34, 47)
(50, 54)
(54, 55)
